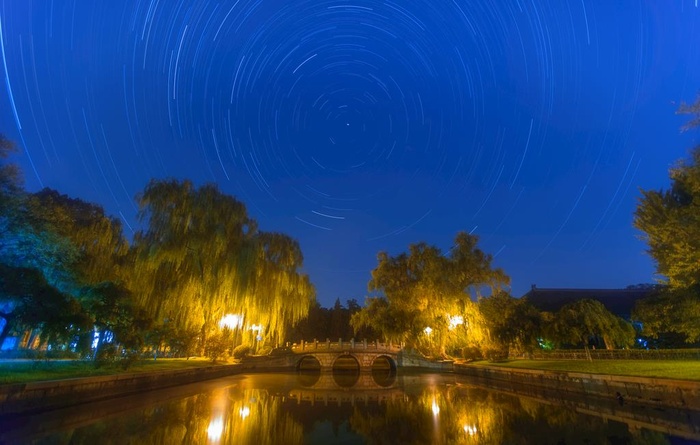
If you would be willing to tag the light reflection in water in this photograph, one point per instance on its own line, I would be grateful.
(470, 429)
(435, 408)
(317, 409)
(215, 429)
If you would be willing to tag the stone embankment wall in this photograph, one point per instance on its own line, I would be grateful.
(46, 395)
(644, 390)
(409, 359)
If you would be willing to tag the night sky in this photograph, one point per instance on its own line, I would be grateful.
(358, 125)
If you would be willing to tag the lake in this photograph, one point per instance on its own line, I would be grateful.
(352, 408)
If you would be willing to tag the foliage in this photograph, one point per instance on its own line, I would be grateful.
(10, 175)
(670, 222)
(105, 355)
(670, 311)
(241, 351)
(329, 323)
(201, 257)
(183, 341)
(112, 310)
(425, 288)
(67, 267)
(512, 323)
(217, 344)
(31, 303)
(587, 320)
(98, 239)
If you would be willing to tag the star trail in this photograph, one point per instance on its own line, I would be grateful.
(360, 126)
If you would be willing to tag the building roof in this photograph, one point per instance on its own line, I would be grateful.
(618, 301)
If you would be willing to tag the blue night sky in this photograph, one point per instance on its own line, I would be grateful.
(359, 125)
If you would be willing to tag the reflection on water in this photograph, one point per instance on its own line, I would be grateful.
(350, 408)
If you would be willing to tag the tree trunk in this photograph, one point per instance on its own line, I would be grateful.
(100, 339)
(203, 339)
(32, 339)
(609, 345)
(588, 352)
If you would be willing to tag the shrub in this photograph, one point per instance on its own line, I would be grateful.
(105, 355)
(265, 350)
(495, 353)
(128, 359)
(471, 353)
(216, 346)
(241, 351)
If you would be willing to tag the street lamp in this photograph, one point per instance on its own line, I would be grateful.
(455, 320)
(233, 322)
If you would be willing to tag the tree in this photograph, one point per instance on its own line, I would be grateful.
(201, 257)
(669, 312)
(98, 240)
(587, 320)
(278, 294)
(30, 302)
(670, 222)
(114, 313)
(10, 176)
(196, 240)
(511, 322)
(426, 296)
(35, 263)
(72, 242)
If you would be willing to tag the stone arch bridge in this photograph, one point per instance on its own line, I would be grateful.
(331, 355)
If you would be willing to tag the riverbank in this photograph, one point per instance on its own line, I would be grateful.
(667, 369)
(646, 382)
(651, 391)
(27, 370)
(46, 395)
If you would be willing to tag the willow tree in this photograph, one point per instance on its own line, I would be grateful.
(279, 295)
(586, 320)
(199, 239)
(426, 296)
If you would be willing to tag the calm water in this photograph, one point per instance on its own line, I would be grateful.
(363, 408)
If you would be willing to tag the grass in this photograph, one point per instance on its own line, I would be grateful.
(671, 369)
(38, 370)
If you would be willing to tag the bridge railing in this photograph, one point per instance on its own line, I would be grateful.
(345, 345)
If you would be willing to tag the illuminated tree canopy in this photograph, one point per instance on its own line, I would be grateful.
(426, 296)
(198, 257)
(201, 256)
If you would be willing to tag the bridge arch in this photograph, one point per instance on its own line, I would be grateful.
(308, 363)
(346, 362)
(384, 362)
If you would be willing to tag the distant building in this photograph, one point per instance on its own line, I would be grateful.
(618, 301)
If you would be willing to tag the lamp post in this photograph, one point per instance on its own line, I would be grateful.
(257, 329)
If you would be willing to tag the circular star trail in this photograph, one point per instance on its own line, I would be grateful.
(359, 126)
